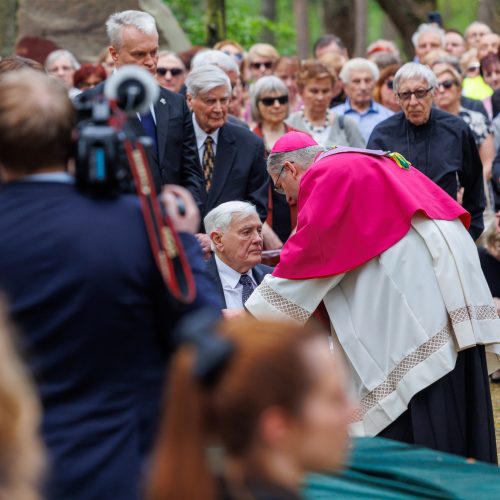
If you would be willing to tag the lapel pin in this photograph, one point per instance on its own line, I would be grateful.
(162, 100)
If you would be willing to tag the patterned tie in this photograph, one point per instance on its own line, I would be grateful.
(246, 281)
(149, 126)
(208, 162)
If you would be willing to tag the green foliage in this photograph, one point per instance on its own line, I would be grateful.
(244, 23)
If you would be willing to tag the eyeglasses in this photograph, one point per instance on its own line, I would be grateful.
(173, 71)
(446, 84)
(277, 188)
(269, 101)
(236, 55)
(258, 65)
(419, 94)
(473, 67)
(389, 84)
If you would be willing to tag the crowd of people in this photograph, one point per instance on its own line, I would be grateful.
(370, 180)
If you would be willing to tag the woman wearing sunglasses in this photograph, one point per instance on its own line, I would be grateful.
(447, 98)
(270, 106)
(383, 92)
(170, 71)
(315, 85)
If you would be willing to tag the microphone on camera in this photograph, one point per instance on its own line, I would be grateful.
(133, 89)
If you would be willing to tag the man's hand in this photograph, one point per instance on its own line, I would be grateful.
(204, 241)
(234, 313)
(173, 198)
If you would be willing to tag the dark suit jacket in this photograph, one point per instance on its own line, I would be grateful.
(240, 170)
(178, 161)
(95, 323)
(258, 272)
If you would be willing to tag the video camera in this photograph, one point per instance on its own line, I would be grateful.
(102, 167)
(110, 159)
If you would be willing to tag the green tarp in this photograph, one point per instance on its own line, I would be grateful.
(381, 468)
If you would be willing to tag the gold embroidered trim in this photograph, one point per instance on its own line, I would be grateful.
(283, 305)
(409, 362)
(473, 312)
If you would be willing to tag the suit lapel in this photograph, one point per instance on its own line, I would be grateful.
(224, 160)
(162, 115)
(258, 275)
(214, 274)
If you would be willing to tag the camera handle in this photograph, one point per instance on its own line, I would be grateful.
(165, 243)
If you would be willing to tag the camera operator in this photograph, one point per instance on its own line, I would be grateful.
(93, 311)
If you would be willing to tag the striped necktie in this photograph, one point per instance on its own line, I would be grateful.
(207, 163)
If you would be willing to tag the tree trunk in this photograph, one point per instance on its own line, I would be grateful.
(406, 15)
(216, 21)
(339, 19)
(489, 13)
(302, 27)
(269, 11)
(8, 27)
(360, 10)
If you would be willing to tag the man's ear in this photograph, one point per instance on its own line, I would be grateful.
(292, 168)
(189, 98)
(113, 53)
(216, 238)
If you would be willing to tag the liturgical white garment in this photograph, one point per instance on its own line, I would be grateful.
(400, 318)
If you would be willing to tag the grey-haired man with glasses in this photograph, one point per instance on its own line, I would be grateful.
(439, 144)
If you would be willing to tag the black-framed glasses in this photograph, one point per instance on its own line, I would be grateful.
(389, 84)
(446, 84)
(419, 94)
(269, 101)
(173, 71)
(277, 188)
(258, 65)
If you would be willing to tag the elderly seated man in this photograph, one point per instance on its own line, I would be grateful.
(428, 37)
(235, 232)
(359, 77)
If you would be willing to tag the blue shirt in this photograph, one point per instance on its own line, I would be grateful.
(367, 119)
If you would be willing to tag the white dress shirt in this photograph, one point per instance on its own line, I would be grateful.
(201, 136)
(231, 285)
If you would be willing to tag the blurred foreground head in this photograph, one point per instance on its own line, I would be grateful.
(21, 455)
(36, 119)
(279, 398)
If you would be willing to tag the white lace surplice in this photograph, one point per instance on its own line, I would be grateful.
(400, 318)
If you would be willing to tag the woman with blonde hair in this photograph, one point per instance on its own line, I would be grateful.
(270, 395)
(21, 452)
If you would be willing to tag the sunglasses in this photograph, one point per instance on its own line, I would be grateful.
(447, 84)
(258, 65)
(173, 71)
(389, 84)
(419, 94)
(269, 101)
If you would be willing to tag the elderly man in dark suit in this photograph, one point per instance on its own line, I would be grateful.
(133, 39)
(235, 231)
(231, 157)
(93, 312)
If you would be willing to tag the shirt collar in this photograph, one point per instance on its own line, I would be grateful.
(228, 275)
(201, 135)
(373, 108)
(62, 177)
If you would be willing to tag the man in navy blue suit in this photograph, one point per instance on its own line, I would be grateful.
(93, 312)
(235, 232)
(133, 39)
